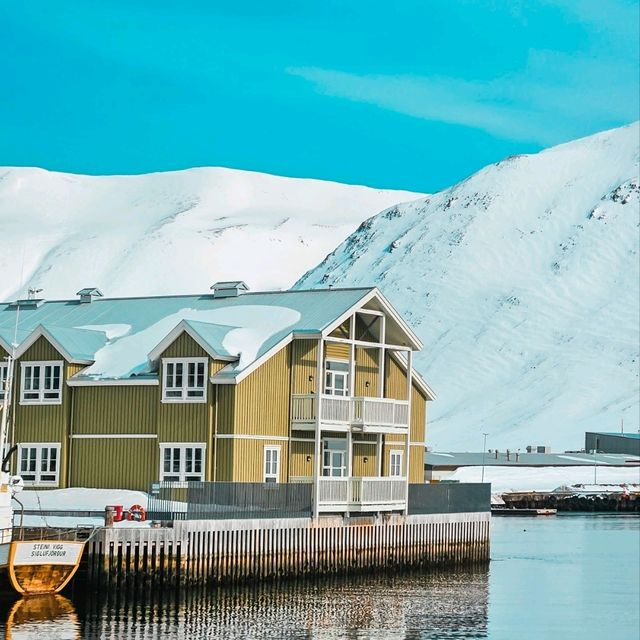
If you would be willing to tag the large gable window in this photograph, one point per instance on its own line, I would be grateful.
(184, 380)
(41, 383)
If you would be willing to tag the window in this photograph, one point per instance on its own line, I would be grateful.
(181, 462)
(39, 463)
(271, 463)
(4, 369)
(336, 380)
(334, 458)
(395, 464)
(184, 380)
(41, 383)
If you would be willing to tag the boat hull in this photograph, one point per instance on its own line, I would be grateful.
(43, 566)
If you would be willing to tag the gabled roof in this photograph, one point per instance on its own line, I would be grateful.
(209, 336)
(122, 338)
(118, 335)
(75, 345)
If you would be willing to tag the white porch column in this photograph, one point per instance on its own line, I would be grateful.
(407, 454)
(383, 353)
(317, 467)
(379, 454)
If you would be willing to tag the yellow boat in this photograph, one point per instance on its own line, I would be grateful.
(45, 561)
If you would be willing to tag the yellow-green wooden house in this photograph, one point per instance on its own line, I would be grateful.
(297, 386)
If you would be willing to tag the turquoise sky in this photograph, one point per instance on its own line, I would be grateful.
(407, 94)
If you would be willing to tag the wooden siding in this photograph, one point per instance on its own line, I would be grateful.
(304, 354)
(416, 465)
(360, 467)
(117, 409)
(223, 462)
(43, 422)
(262, 398)
(337, 351)
(184, 346)
(367, 372)
(105, 463)
(242, 460)
(418, 415)
(395, 380)
(298, 465)
(343, 330)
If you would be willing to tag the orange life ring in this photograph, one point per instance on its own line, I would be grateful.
(136, 513)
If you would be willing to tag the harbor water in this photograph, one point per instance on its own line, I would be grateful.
(566, 576)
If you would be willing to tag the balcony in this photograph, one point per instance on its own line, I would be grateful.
(361, 414)
(358, 495)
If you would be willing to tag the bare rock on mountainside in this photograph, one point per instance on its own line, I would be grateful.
(522, 282)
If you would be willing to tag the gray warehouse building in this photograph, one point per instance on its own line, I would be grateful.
(627, 443)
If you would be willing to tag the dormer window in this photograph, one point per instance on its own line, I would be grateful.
(184, 380)
(41, 383)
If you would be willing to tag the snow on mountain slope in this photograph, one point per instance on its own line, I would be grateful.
(522, 281)
(175, 232)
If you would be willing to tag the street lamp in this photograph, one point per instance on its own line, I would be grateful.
(484, 451)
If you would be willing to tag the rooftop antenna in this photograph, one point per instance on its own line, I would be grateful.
(32, 292)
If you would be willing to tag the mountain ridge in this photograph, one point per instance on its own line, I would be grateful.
(497, 273)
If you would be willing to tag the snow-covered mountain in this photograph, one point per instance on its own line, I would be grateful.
(175, 232)
(522, 281)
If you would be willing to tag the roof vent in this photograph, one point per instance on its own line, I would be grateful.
(230, 289)
(27, 303)
(89, 293)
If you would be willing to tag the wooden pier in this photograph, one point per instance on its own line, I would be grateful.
(204, 552)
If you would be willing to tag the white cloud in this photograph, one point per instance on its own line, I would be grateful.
(554, 98)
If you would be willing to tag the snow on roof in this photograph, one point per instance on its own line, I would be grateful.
(118, 335)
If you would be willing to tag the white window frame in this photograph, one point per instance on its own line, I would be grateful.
(330, 387)
(41, 391)
(38, 472)
(271, 467)
(327, 467)
(395, 468)
(183, 475)
(184, 388)
(4, 371)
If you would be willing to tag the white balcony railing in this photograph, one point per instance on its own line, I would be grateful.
(362, 494)
(360, 412)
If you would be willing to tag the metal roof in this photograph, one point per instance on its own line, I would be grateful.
(475, 459)
(82, 330)
(632, 436)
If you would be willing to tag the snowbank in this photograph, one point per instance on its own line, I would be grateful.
(505, 479)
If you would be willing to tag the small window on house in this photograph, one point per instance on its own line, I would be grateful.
(395, 464)
(4, 369)
(336, 381)
(271, 463)
(184, 380)
(182, 462)
(39, 463)
(41, 383)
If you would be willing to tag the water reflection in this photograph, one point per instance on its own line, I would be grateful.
(48, 616)
(434, 605)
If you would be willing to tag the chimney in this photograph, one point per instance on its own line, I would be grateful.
(88, 294)
(230, 289)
